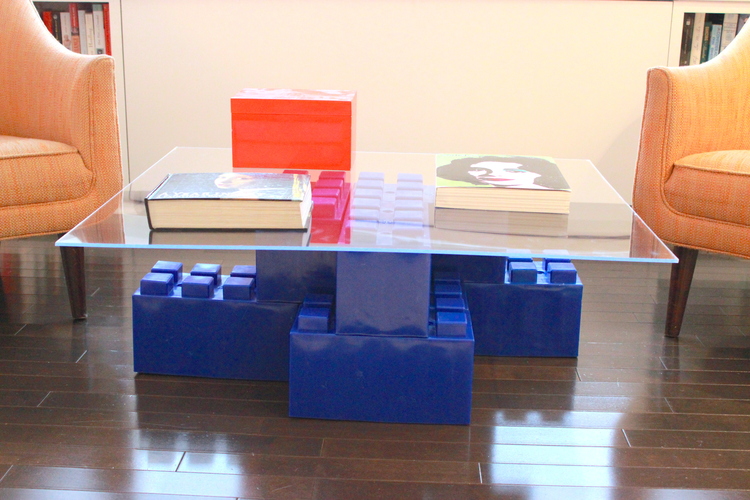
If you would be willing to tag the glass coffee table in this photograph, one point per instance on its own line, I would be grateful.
(601, 225)
(376, 310)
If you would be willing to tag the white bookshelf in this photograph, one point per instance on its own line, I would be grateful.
(115, 24)
(680, 7)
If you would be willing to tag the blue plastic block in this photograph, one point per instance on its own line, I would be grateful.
(382, 293)
(212, 337)
(243, 271)
(314, 319)
(562, 272)
(522, 272)
(173, 268)
(472, 268)
(451, 323)
(212, 270)
(549, 260)
(450, 303)
(525, 319)
(520, 259)
(198, 287)
(238, 288)
(157, 284)
(318, 300)
(447, 289)
(381, 379)
(289, 276)
(445, 276)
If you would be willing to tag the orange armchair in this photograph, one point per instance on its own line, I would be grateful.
(59, 138)
(692, 179)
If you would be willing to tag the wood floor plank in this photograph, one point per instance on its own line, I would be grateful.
(635, 415)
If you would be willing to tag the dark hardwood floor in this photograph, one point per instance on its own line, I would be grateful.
(636, 415)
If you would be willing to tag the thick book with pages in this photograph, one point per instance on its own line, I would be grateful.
(230, 201)
(501, 182)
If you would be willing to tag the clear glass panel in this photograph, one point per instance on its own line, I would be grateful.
(600, 226)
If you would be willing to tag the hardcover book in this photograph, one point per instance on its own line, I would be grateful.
(501, 182)
(230, 201)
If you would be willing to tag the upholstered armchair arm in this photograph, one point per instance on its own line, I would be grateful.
(692, 109)
(48, 92)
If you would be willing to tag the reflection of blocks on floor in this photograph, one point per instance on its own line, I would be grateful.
(200, 329)
(383, 378)
(528, 317)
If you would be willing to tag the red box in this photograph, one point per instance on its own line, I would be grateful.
(293, 129)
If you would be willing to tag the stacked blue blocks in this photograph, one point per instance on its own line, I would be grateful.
(534, 311)
(383, 357)
(207, 325)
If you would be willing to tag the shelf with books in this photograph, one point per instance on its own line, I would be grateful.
(701, 30)
(98, 32)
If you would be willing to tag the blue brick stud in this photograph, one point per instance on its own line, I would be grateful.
(198, 287)
(157, 284)
(212, 270)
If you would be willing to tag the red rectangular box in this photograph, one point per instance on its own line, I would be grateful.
(293, 129)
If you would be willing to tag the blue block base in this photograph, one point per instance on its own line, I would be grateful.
(238, 339)
(381, 379)
(540, 319)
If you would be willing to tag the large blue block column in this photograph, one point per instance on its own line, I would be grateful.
(382, 293)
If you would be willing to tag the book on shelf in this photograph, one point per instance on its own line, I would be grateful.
(741, 21)
(501, 182)
(714, 44)
(697, 38)
(65, 29)
(82, 31)
(56, 28)
(47, 19)
(687, 38)
(728, 30)
(706, 39)
(100, 39)
(75, 34)
(230, 201)
(90, 47)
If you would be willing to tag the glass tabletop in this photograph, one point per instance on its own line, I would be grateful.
(600, 225)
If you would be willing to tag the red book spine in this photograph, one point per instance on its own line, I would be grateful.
(107, 36)
(75, 31)
(47, 18)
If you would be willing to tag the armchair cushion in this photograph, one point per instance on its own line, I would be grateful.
(701, 185)
(40, 171)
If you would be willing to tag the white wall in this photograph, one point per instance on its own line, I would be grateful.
(540, 77)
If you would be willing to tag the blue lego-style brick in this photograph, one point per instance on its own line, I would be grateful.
(562, 273)
(239, 339)
(238, 288)
(450, 303)
(451, 323)
(288, 276)
(522, 271)
(447, 289)
(173, 268)
(198, 287)
(243, 271)
(382, 294)
(380, 378)
(472, 268)
(314, 319)
(156, 283)
(516, 319)
(318, 300)
(211, 270)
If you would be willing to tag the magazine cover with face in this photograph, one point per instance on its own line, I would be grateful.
(487, 171)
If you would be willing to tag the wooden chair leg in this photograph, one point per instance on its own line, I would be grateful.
(679, 288)
(75, 279)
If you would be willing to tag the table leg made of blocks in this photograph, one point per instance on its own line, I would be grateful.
(371, 336)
